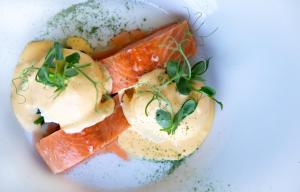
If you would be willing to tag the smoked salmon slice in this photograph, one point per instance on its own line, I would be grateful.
(147, 54)
(62, 151)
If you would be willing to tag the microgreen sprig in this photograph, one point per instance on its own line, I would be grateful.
(184, 83)
(210, 92)
(57, 70)
(40, 120)
(184, 76)
(169, 123)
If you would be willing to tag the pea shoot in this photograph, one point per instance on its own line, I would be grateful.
(184, 84)
(56, 71)
(169, 123)
(184, 75)
(40, 120)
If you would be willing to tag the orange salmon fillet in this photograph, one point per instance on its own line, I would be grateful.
(62, 151)
(145, 55)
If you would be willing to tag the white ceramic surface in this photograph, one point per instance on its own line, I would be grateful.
(254, 144)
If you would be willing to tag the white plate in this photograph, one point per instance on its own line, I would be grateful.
(254, 144)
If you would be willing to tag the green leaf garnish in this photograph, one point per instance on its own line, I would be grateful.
(39, 121)
(71, 72)
(163, 118)
(188, 107)
(49, 58)
(174, 70)
(210, 92)
(218, 102)
(51, 73)
(58, 51)
(184, 86)
(199, 69)
(73, 58)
